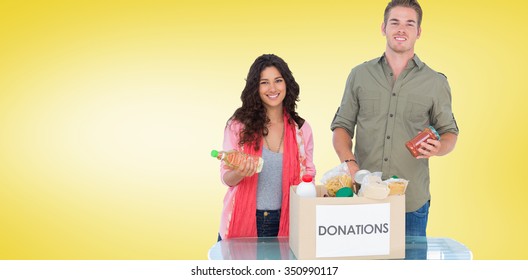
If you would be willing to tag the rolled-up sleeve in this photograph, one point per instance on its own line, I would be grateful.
(231, 138)
(443, 119)
(346, 114)
(309, 148)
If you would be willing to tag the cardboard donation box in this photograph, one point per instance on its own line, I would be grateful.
(347, 227)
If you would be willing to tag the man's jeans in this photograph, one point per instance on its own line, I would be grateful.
(416, 222)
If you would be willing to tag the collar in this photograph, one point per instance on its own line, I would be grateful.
(415, 59)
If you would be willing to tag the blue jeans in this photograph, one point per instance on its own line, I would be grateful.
(268, 222)
(416, 222)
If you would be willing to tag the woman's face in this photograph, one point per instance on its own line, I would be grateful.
(272, 87)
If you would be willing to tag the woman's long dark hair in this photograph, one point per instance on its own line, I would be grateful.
(252, 113)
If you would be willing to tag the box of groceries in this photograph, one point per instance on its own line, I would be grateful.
(345, 220)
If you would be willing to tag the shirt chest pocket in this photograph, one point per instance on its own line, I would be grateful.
(369, 103)
(418, 108)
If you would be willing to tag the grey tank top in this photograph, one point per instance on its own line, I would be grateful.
(269, 187)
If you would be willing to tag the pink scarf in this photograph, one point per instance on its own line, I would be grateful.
(243, 222)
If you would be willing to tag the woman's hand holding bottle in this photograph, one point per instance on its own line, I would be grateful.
(240, 165)
(247, 168)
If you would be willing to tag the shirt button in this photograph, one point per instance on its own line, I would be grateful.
(393, 94)
(385, 159)
(391, 115)
(388, 137)
(390, 74)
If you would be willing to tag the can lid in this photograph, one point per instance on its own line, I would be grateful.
(435, 132)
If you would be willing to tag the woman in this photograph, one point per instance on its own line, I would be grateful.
(257, 204)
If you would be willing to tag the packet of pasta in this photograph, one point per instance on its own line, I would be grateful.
(337, 178)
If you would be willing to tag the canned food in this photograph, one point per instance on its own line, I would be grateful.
(414, 144)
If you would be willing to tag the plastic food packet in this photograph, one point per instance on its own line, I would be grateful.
(373, 187)
(397, 186)
(337, 178)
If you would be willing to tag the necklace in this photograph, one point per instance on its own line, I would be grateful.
(280, 143)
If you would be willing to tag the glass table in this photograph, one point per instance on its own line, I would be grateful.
(278, 248)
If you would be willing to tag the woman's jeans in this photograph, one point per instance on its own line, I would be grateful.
(268, 222)
(416, 222)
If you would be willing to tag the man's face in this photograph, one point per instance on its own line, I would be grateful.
(401, 30)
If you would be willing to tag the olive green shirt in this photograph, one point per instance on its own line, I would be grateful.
(384, 114)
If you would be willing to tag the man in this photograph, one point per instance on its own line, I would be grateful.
(387, 101)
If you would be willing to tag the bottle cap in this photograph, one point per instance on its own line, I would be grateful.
(307, 178)
(214, 153)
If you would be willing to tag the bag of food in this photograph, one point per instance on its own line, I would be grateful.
(373, 187)
(337, 178)
(397, 186)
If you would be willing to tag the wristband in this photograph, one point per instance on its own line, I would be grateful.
(351, 159)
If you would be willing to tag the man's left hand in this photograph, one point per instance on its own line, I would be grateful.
(429, 149)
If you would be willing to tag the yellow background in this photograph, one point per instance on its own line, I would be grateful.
(109, 109)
